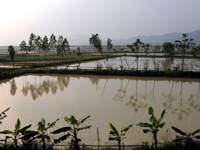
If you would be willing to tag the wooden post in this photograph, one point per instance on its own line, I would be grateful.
(98, 136)
(123, 146)
(5, 143)
(52, 146)
(83, 147)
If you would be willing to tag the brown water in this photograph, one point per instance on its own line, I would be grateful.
(119, 100)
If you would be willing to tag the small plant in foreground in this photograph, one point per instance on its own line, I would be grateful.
(154, 125)
(17, 133)
(187, 138)
(3, 114)
(116, 136)
(72, 131)
(41, 133)
(42, 128)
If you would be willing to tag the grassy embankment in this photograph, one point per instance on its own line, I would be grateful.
(10, 73)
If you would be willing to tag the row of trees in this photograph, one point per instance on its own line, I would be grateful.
(37, 43)
(181, 48)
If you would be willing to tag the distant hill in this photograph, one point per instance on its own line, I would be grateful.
(160, 39)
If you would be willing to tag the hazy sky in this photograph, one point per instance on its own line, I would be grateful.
(116, 19)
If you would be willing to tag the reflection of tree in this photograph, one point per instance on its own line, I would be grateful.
(169, 97)
(172, 99)
(62, 82)
(178, 106)
(13, 88)
(37, 90)
(135, 101)
(121, 92)
(24, 89)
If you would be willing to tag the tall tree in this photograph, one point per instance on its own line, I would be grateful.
(155, 52)
(45, 45)
(65, 46)
(31, 46)
(168, 48)
(109, 44)
(59, 46)
(135, 47)
(146, 49)
(11, 51)
(38, 43)
(184, 46)
(62, 47)
(23, 46)
(96, 42)
(52, 43)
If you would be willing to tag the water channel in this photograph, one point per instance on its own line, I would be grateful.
(119, 100)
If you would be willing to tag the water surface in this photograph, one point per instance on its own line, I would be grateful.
(130, 63)
(119, 100)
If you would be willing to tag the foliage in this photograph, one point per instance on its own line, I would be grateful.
(184, 46)
(116, 136)
(63, 46)
(96, 42)
(32, 42)
(136, 46)
(186, 137)
(154, 125)
(3, 115)
(41, 134)
(78, 51)
(109, 44)
(195, 51)
(38, 42)
(71, 131)
(52, 42)
(23, 46)
(169, 49)
(11, 51)
(17, 133)
(45, 44)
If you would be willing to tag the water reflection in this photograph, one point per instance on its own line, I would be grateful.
(138, 93)
(130, 63)
(38, 88)
(172, 99)
(176, 103)
(107, 99)
(13, 87)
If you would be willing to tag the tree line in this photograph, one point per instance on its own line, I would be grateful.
(61, 45)
(180, 48)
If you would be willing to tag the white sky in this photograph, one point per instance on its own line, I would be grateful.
(115, 19)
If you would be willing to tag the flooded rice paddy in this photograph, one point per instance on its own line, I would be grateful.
(130, 63)
(119, 100)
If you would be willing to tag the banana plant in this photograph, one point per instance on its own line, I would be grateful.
(17, 133)
(154, 125)
(116, 136)
(3, 114)
(186, 137)
(41, 133)
(71, 131)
